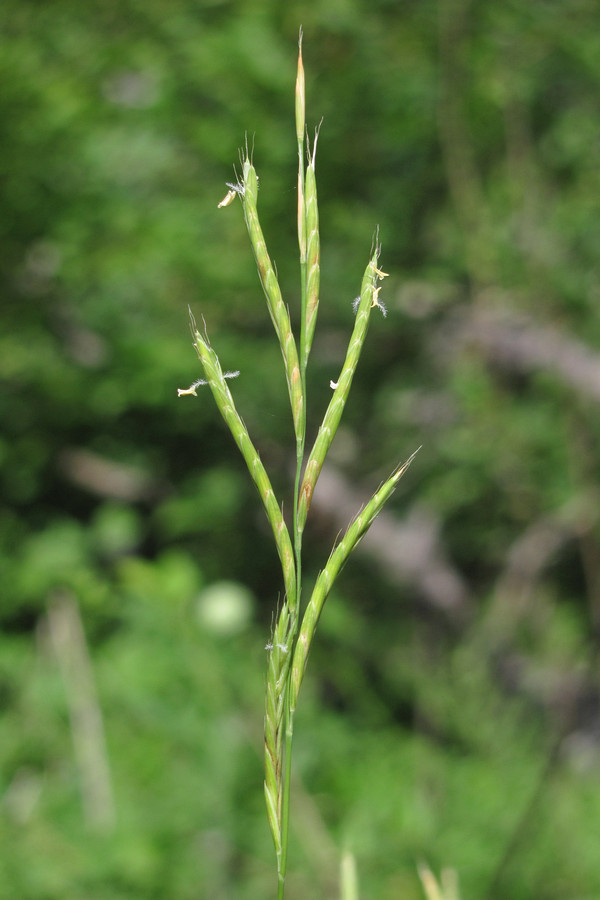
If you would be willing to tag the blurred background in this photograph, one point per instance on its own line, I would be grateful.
(451, 710)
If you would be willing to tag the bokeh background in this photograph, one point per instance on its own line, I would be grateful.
(451, 711)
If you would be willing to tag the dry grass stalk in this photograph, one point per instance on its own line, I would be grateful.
(445, 889)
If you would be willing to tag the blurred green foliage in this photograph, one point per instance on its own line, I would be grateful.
(452, 708)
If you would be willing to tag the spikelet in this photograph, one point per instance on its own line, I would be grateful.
(337, 403)
(224, 400)
(300, 126)
(355, 532)
(313, 256)
(277, 309)
(280, 655)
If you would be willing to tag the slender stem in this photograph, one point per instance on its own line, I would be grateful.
(300, 443)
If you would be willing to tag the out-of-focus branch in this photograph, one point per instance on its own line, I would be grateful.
(68, 641)
(105, 477)
(522, 345)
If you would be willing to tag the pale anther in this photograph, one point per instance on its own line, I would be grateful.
(375, 301)
(379, 273)
(230, 196)
(227, 199)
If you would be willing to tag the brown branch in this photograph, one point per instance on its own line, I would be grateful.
(522, 345)
(105, 477)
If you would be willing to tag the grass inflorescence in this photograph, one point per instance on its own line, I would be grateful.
(296, 621)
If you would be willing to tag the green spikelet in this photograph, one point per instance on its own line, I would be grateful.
(270, 284)
(331, 420)
(313, 257)
(356, 530)
(224, 400)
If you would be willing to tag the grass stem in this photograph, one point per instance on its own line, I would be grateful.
(294, 626)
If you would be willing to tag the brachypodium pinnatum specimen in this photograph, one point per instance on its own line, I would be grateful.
(295, 624)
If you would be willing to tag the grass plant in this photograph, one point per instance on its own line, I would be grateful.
(296, 621)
